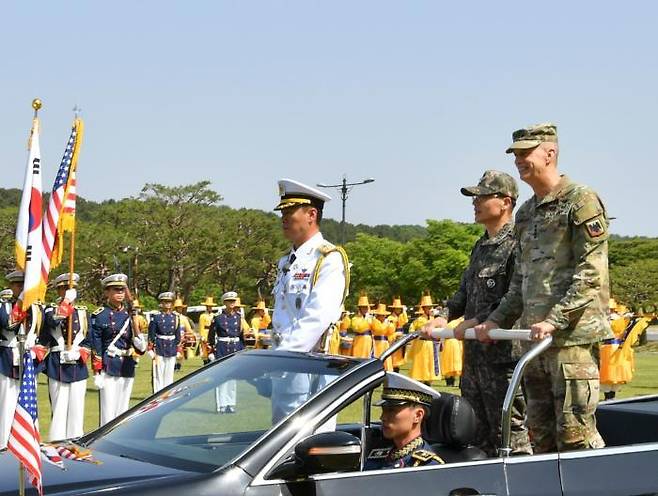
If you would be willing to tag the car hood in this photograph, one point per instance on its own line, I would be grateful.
(111, 472)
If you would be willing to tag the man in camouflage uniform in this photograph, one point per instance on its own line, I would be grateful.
(560, 287)
(488, 367)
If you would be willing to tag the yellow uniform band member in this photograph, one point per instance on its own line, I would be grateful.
(362, 344)
(424, 355)
(382, 330)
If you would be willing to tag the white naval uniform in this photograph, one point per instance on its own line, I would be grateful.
(303, 311)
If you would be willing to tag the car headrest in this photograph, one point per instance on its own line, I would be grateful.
(451, 421)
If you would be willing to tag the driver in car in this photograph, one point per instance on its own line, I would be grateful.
(403, 411)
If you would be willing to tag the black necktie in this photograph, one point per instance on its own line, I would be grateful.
(290, 261)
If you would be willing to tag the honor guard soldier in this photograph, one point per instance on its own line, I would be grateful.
(11, 318)
(400, 319)
(382, 329)
(205, 319)
(226, 337)
(424, 355)
(560, 288)
(165, 337)
(404, 407)
(114, 335)
(362, 343)
(65, 366)
(311, 285)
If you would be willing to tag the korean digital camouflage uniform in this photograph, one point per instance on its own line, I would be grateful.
(488, 367)
(561, 277)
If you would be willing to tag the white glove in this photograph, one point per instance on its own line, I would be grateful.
(99, 379)
(151, 353)
(73, 354)
(70, 295)
(211, 357)
(140, 343)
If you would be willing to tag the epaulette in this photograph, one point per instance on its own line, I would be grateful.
(377, 454)
(424, 456)
(326, 248)
(81, 307)
(98, 310)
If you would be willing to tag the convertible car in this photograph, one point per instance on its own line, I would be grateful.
(176, 442)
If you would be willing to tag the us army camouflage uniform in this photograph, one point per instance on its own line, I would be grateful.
(561, 277)
(488, 367)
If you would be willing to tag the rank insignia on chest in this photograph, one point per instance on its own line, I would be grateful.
(301, 276)
(378, 453)
(595, 228)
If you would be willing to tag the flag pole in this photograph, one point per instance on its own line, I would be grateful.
(36, 105)
(69, 332)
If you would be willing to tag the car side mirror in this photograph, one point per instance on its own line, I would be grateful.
(320, 454)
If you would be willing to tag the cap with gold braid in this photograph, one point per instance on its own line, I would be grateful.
(167, 296)
(293, 194)
(120, 280)
(15, 276)
(399, 390)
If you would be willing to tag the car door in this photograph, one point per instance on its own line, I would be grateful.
(484, 477)
(536, 475)
(618, 470)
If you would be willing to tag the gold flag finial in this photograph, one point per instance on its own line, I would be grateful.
(36, 104)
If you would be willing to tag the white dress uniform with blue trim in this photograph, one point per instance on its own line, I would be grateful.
(165, 336)
(9, 357)
(113, 340)
(65, 367)
(311, 285)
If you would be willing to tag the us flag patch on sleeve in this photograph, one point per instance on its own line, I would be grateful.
(595, 228)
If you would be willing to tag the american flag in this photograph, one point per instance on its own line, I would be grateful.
(24, 439)
(60, 214)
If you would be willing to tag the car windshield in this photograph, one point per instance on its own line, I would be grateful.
(209, 418)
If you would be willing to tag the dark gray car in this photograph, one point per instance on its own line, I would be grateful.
(177, 443)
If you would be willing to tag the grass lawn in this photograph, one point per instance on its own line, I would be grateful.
(644, 383)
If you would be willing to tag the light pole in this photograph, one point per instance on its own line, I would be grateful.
(344, 187)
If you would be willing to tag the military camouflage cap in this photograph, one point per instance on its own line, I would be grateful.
(532, 136)
(493, 182)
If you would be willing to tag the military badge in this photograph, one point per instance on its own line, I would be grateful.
(595, 228)
(491, 283)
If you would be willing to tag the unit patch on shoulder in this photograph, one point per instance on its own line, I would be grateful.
(595, 227)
